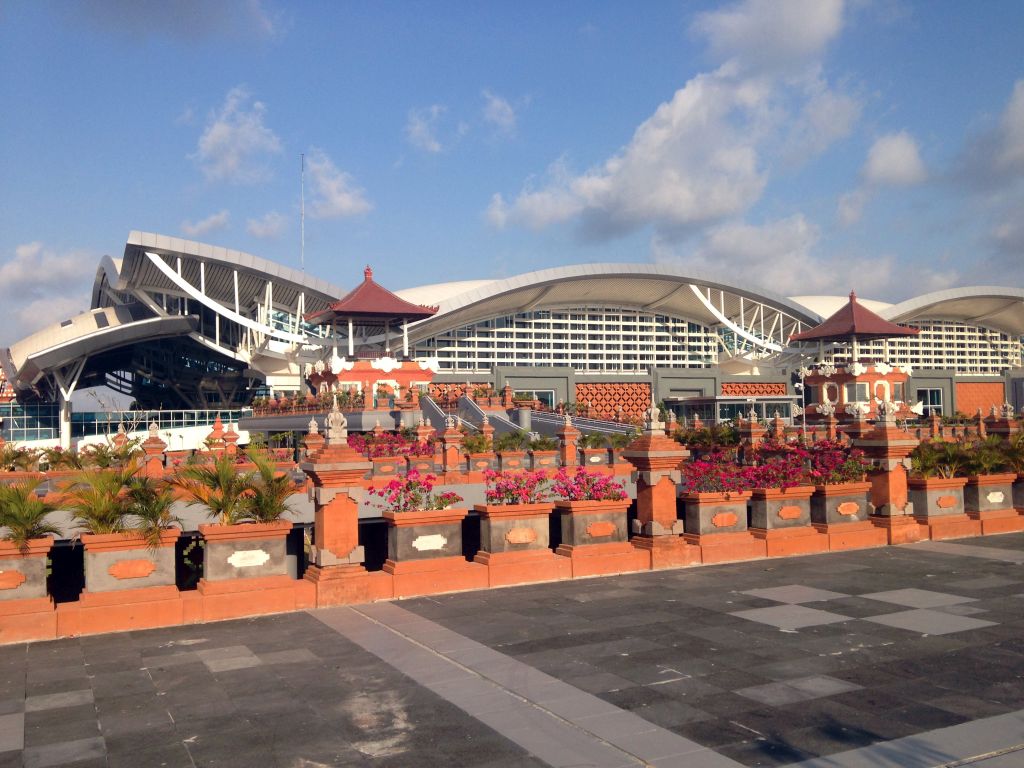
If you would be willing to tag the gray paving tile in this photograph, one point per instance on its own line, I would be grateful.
(58, 700)
(228, 658)
(822, 685)
(960, 610)
(65, 752)
(791, 616)
(795, 593)
(292, 656)
(918, 598)
(929, 622)
(972, 550)
(774, 694)
(12, 731)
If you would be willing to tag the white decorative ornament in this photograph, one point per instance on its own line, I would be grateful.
(996, 497)
(918, 408)
(883, 368)
(826, 409)
(826, 369)
(319, 366)
(429, 364)
(803, 372)
(1007, 411)
(905, 369)
(429, 543)
(857, 369)
(386, 364)
(856, 409)
(248, 558)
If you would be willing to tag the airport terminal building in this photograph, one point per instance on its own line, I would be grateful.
(181, 325)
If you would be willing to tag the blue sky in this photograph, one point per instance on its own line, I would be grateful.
(811, 146)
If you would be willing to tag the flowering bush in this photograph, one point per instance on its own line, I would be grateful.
(714, 472)
(587, 486)
(516, 487)
(785, 470)
(833, 463)
(412, 492)
(389, 444)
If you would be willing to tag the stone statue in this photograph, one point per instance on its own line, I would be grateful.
(887, 411)
(337, 424)
(313, 429)
(154, 431)
(653, 421)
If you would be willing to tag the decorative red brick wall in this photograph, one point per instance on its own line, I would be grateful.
(633, 397)
(753, 388)
(972, 395)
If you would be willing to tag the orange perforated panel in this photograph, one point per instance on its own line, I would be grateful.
(972, 395)
(605, 399)
(753, 388)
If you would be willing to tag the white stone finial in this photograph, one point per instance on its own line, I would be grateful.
(567, 420)
(752, 415)
(485, 421)
(1007, 411)
(337, 425)
(449, 422)
(887, 412)
(120, 428)
(313, 428)
(653, 423)
(423, 420)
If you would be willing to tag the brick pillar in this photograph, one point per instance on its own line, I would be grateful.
(335, 469)
(120, 439)
(424, 431)
(231, 441)
(568, 436)
(979, 419)
(657, 525)
(670, 424)
(935, 426)
(215, 440)
(153, 453)
(506, 397)
(831, 427)
(889, 449)
(451, 444)
(752, 431)
(1005, 424)
(487, 430)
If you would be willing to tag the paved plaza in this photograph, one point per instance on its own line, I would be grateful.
(899, 656)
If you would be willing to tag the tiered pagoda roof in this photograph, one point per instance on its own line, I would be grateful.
(370, 303)
(854, 321)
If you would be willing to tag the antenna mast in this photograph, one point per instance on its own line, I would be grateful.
(302, 211)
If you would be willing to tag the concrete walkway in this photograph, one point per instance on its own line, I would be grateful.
(903, 656)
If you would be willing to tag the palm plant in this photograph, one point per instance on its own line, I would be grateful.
(511, 441)
(1015, 453)
(988, 456)
(621, 440)
(270, 490)
(23, 513)
(97, 500)
(14, 458)
(58, 458)
(593, 440)
(225, 491)
(544, 443)
(149, 505)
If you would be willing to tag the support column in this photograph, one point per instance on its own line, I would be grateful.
(336, 470)
(153, 449)
(888, 448)
(568, 436)
(451, 443)
(657, 525)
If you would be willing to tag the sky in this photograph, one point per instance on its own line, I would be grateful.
(796, 146)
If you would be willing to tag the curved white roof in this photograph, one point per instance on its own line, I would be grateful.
(826, 306)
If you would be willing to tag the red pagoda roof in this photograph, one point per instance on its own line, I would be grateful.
(854, 320)
(369, 301)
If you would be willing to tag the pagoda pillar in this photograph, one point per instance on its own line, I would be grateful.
(568, 436)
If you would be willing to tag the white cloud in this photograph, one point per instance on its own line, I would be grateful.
(270, 225)
(40, 286)
(763, 35)
(235, 143)
(894, 160)
(499, 112)
(421, 128)
(851, 207)
(334, 192)
(995, 157)
(703, 156)
(211, 223)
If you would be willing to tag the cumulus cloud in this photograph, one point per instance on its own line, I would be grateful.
(995, 157)
(421, 128)
(762, 35)
(185, 20)
(499, 112)
(894, 160)
(40, 286)
(703, 156)
(211, 223)
(270, 225)
(334, 192)
(235, 143)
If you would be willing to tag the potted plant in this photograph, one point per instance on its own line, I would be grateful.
(248, 538)
(619, 442)
(593, 449)
(714, 494)
(543, 452)
(781, 496)
(938, 477)
(422, 525)
(510, 448)
(476, 446)
(119, 518)
(840, 490)
(592, 516)
(514, 528)
(988, 495)
(26, 541)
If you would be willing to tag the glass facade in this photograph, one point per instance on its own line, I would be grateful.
(42, 421)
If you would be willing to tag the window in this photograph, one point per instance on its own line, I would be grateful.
(931, 398)
(857, 392)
